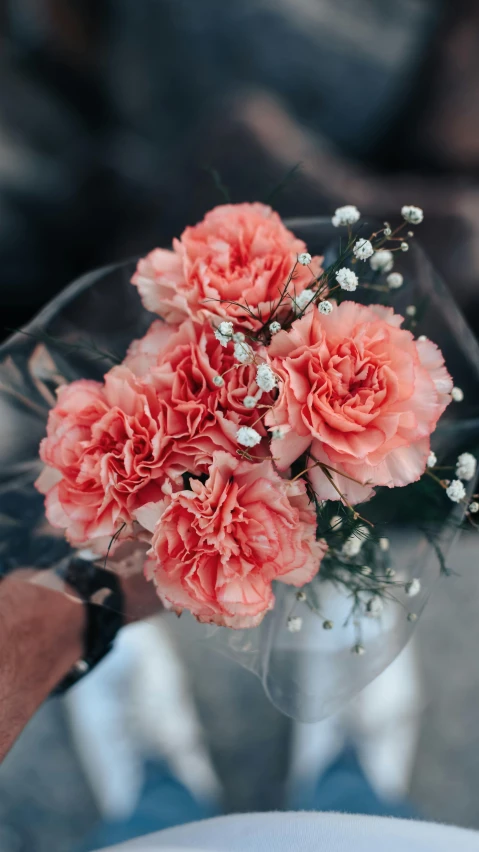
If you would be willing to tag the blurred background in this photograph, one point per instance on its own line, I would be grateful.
(116, 119)
(113, 114)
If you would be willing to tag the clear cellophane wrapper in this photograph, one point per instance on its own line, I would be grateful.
(307, 675)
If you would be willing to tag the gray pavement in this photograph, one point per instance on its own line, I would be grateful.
(46, 806)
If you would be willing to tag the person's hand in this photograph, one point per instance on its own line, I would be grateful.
(42, 624)
(141, 600)
(41, 638)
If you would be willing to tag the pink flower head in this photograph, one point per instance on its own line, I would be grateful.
(201, 415)
(361, 394)
(108, 446)
(217, 548)
(239, 253)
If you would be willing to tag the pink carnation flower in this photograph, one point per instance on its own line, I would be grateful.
(239, 253)
(201, 416)
(106, 451)
(361, 394)
(217, 548)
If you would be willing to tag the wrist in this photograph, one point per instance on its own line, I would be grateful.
(40, 640)
(34, 604)
(103, 599)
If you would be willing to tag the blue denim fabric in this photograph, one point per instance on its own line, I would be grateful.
(165, 802)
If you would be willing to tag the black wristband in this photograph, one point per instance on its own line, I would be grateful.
(103, 599)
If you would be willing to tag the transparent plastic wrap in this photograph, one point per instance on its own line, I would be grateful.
(307, 674)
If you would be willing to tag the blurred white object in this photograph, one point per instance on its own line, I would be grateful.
(134, 706)
(309, 832)
(382, 721)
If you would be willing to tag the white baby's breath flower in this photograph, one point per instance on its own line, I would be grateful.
(366, 570)
(404, 246)
(474, 507)
(457, 394)
(248, 437)
(362, 249)
(295, 623)
(456, 491)
(374, 607)
(274, 327)
(382, 261)
(250, 402)
(224, 333)
(218, 381)
(304, 258)
(422, 338)
(265, 378)
(411, 310)
(277, 434)
(466, 466)
(347, 279)
(413, 588)
(243, 352)
(431, 459)
(358, 649)
(352, 546)
(412, 214)
(384, 544)
(347, 215)
(302, 300)
(325, 307)
(301, 596)
(395, 280)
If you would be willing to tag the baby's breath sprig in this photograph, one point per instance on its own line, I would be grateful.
(357, 562)
(464, 471)
(328, 472)
(378, 248)
(367, 577)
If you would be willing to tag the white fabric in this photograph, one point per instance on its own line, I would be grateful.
(306, 832)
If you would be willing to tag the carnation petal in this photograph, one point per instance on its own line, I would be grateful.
(157, 277)
(363, 390)
(286, 450)
(353, 491)
(47, 479)
(218, 547)
(149, 514)
(238, 253)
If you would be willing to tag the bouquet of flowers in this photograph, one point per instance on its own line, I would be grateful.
(267, 439)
